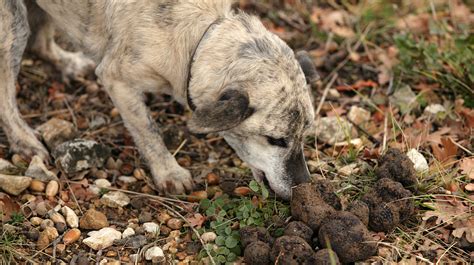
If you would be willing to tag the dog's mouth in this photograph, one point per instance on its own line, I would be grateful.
(260, 176)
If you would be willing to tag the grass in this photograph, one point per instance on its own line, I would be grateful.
(9, 244)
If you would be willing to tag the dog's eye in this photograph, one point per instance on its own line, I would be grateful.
(281, 142)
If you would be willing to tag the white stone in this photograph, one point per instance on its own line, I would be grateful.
(418, 160)
(37, 170)
(332, 130)
(128, 232)
(14, 185)
(208, 237)
(71, 217)
(151, 227)
(103, 238)
(434, 109)
(348, 170)
(115, 199)
(126, 179)
(102, 183)
(358, 115)
(6, 166)
(154, 253)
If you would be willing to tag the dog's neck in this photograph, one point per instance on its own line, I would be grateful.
(189, 100)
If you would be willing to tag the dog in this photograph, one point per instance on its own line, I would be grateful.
(239, 79)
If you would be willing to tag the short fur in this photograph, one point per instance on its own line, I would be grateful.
(142, 46)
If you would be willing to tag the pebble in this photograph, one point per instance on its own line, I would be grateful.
(128, 232)
(71, 217)
(6, 166)
(127, 179)
(348, 170)
(208, 237)
(36, 220)
(212, 179)
(134, 258)
(14, 185)
(37, 185)
(101, 174)
(419, 161)
(18, 161)
(332, 130)
(46, 223)
(61, 227)
(434, 109)
(163, 217)
(103, 238)
(151, 227)
(78, 155)
(37, 170)
(175, 223)
(93, 219)
(197, 196)
(57, 217)
(115, 199)
(42, 208)
(145, 217)
(71, 236)
(56, 131)
(155, 254)
(358, 115)
(51, 232)
(52, 188)
(139, 173)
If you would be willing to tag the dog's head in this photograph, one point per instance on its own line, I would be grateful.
(263, 110)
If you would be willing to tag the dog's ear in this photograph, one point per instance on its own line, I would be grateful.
(308, 67)
(228, 111)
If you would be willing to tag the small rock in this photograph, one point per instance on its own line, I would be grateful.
(155, 254)
(43, 241)
(115, 199)
(37, 170)
(358, 115)
(419, 161)
(134, 258)
(144, 217)
(257, 253)
(135, 241)
(242, 191)
(93, 219)
(128, 232)
(101, 174)
(435, 109)
(46, 223)
(6, 167)
(57, 217)
(127, 180)
(71, 236)
(102, 183)
(299, 229)
(175, 223)
(405, 99)
(51, 232)
(71, 217)
(197, 196)
(36, 221)
(42, 208)
(101, 239)
(14, 185)
(77, 155)
(52, 188)
(139, 174)
(212, 179)
(33, 234)
(163, 217)
(37, 185)
(332, 130)
(348, 170)
(56, 131)
(61, 227)
(208, 237)
(60, 248)
(152, 228)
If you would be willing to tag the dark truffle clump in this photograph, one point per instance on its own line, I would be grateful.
(289, 250)
(299, 229)
(257, 253)
(397, 166)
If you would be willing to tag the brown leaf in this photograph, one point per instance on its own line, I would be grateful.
(447, 153)
(196, 220)
(467, 167)
(447, 210)
(7, 207)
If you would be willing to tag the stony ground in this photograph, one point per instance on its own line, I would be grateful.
(395, 74)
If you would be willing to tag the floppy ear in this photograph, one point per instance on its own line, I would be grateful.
(228, 111)
(308, 67)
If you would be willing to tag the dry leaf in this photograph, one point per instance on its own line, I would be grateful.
(467, 167)
(447, 153)
(447, 210)
(465, 226)
(7, 207)
(196, 220)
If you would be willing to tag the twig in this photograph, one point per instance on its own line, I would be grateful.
(180, 147)
(462, 147)
(371, 138)
(325, 93)
(385, 133)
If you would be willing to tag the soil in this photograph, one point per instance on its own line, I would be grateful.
(312, 202)
(397, 166)
(388, 205)
(347, 236)
(299, 229)
(257, 253)
(326, 257)
(250, 234)
(361, 210)
(292, 250)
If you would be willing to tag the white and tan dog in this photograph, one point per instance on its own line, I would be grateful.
(239, 79)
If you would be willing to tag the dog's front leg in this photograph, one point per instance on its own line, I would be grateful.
(168, 176)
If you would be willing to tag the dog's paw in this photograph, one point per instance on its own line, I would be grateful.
(175, 181)
(75, 66)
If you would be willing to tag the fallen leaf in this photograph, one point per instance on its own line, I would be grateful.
(447, 210)
(447, 152)
(467, 167)
(7, 207)
(196, 220)
(465, 226)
